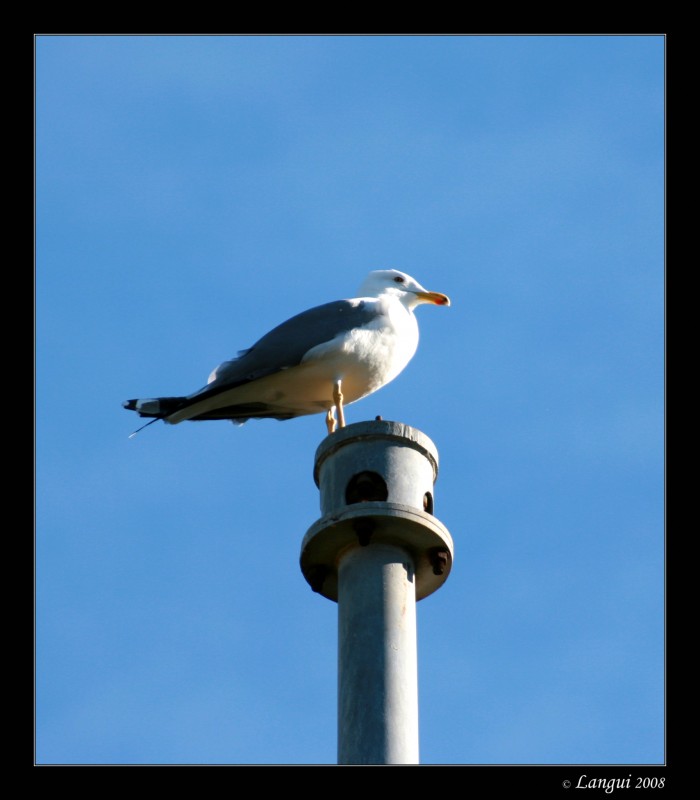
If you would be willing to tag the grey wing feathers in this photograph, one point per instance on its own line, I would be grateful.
(287, 344)
(283, 347)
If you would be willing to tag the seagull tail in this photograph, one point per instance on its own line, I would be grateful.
(156, 408)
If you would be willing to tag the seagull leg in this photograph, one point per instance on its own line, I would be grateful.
(338, 400)
(330, 420)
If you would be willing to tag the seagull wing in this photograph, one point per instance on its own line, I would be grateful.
(281, 349)
(286, 345)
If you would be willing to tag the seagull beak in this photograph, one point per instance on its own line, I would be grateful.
(436, 298)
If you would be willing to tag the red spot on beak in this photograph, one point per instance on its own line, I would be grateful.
(436, 298)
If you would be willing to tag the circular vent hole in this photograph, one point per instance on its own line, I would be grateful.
(366, 487)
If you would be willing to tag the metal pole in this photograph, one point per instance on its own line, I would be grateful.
(377, 657)
(376, 550)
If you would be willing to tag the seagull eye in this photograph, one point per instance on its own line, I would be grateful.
(399, 279)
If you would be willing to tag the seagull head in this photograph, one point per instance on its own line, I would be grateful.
(400, 285)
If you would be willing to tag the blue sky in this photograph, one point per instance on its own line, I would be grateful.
(193, 192)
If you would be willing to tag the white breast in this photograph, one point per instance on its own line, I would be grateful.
(365, 359)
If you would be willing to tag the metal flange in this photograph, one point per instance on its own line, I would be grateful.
(420, 534)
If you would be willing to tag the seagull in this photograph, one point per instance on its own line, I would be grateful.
(316, 362)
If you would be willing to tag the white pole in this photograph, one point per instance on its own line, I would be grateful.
(377, 657)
